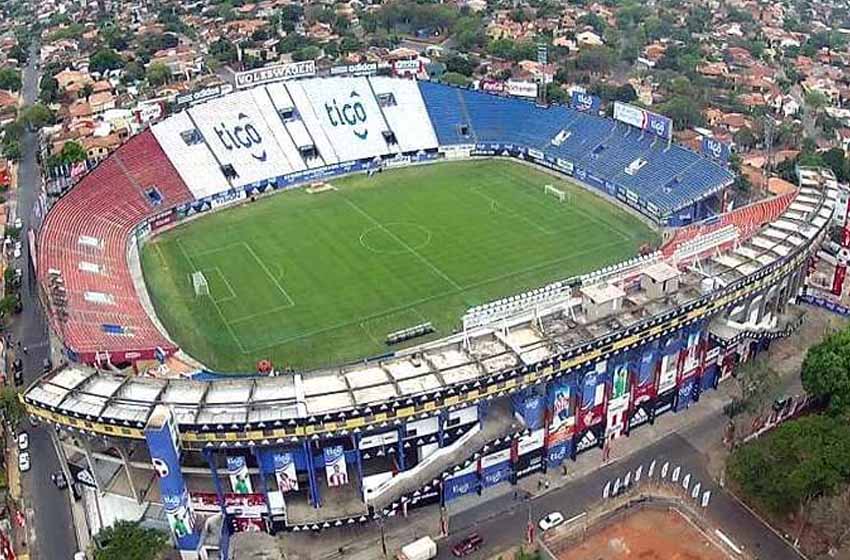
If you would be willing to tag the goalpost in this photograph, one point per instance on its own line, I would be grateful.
(200, 284)
(561, 195)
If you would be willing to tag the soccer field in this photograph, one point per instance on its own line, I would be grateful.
(313, 279)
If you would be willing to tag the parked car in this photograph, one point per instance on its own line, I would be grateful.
(468, 545)
(59, 480)
(551, 521)
(23, 441)
(24, 461)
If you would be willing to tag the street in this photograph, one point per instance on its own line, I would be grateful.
(503, 524)
(50, 513)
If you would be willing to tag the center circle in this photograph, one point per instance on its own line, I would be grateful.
(395, 238)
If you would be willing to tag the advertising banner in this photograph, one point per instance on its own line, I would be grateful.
(585, 102)
(645, 120)
(277, 73)
(361, 69)
(562, 422)
(284, 472)
(178, 511)
(521, 89)
(491, 86)
(237, 471)
(336, 470)
(198, 96)
(715, 149)
(406, 67)
(461, 485)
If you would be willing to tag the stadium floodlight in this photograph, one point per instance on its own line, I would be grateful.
(200, 284)
(557, 193)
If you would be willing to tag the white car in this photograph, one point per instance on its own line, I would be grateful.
(23, 441)
(24, 461)
(551, 521)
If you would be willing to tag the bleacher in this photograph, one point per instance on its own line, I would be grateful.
(85, 238)
(673, 178)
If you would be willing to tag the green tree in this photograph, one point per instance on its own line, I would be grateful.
(37, 116)
(86, 91)
(72, 152)
(826, 370)
(685, 111)
(834, 158)
(223, 50)
(455, 79)
(12, 409)
(595, 59)
(104, 60)
(795, 463)
(129, 541)
(10, 79)
(133, 72)
(306, 53)
(48, 89)
(816, 100)
(158, 74)
(460, 64)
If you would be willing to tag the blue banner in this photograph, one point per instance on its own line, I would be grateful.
(659, 125)
(585, 102)
(715, 149)
(646, 368)
(460, 486)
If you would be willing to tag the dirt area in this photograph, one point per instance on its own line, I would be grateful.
(647, 534)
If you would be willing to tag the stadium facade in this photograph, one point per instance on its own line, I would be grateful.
(529, 383)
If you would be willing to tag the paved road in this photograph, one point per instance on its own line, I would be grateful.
(504, 530)
(55, 536)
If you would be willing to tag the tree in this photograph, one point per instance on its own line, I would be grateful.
(595, 59)
(10, 79)
(834, 158)
(795, 463)
(10, 405)
(223, 50)
(684, 111)
(37, 116)
(756, 382)
(133, 72)
(86, 91)
(349, 44)
(460, 64)
(158, 74)
(72, 152)
(105, 60)
(48, 89)
(306, 53)
(455, 79)
(826, 371)
(816, 100)
(126, 540)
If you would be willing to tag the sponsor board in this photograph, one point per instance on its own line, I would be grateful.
(205, 94)
(715, 149)
(162, 219)
(585, 102)
(406, 67)
(521, 89)
(491, 86)
(565, 165)
(530, 442)
(361, 69)
(536, 154)
(277, 73)
(657, 124)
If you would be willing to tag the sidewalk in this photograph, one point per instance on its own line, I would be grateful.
(703, 424)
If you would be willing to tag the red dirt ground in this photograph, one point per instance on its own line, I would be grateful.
(646, 535)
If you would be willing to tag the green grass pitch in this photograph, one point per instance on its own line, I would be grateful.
(309, 280)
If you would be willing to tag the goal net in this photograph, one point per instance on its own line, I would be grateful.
(557, 193)
(200, 284)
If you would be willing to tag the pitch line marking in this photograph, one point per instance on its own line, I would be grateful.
(498, 208)
(268, 273)
(412, 251)
(420, 301)
(226, 283)
(217, 308)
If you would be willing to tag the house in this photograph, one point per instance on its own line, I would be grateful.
(101, 101)
(98, 148)
(589, 39)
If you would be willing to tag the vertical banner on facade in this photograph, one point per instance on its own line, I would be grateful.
(336, 470)
(562, 422)
(163, 443)
(237, 470)
(284, 472)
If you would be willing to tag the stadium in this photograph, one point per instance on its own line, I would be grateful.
(428, 291)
